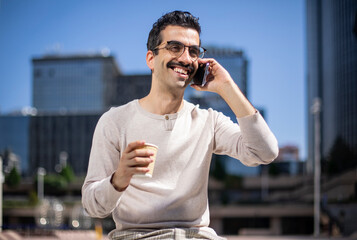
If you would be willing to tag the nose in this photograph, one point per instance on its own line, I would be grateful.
(185, 56)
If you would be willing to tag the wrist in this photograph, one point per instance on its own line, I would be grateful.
(115, 186)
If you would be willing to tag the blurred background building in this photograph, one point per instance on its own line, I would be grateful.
(70, 93)
(331, 28)
(77, 83)
(14, 138)
(51, 135)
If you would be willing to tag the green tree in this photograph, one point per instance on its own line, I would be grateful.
(33, 199)
(13, 179)
(54, 183)
(340, 158)
(67, 173)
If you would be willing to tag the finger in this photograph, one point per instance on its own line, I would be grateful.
(133, 145)
(213, 64)
(139, 153)
(205, 60)
(139, 162)
(140, 170)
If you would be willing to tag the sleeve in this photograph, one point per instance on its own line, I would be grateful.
(99, 197)
(252, 142)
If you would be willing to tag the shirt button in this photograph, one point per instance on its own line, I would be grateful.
(166, 117)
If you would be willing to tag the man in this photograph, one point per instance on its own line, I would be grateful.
(173, 203)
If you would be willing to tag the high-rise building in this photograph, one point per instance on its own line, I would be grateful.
(332, 72)
(70, 94)
(74, 83)
(52, 136)
(131, 87)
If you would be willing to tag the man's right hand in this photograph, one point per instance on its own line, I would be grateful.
(133, 161)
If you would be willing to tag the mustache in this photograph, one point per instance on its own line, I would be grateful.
(186, 66)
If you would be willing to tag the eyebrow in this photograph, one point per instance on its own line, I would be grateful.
(175, 41)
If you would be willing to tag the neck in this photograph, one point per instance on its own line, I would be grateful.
(159, 103)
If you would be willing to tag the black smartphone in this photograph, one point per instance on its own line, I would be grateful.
(201, 75)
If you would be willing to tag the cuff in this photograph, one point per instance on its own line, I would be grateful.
(107, 193)
(254, 127)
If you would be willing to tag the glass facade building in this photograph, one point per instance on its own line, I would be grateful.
(51, 135)
(131, 87)
(332, 72)
(83, 83)
(70, 94)
(72, 133)
(14, 137)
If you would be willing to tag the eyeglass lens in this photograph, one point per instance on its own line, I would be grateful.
(178, 49)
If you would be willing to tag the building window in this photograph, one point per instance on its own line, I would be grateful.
(37, 73)
(355, 25)
(51, 72)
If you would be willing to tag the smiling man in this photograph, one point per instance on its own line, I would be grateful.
(173, 204)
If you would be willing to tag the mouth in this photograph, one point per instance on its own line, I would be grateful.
(182, 71)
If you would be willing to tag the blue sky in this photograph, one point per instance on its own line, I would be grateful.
(270, 32)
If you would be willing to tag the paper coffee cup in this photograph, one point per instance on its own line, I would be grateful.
(151, 166)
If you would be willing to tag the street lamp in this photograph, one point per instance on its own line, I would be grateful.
(63, 156)
(315, 110)
(41, 172)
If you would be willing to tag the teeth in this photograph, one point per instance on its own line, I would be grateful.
(180, 70)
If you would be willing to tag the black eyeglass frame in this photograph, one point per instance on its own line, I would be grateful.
(201, 50)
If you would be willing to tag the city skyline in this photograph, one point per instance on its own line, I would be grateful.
(273, 41)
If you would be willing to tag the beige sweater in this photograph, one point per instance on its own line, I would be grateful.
(176, 195)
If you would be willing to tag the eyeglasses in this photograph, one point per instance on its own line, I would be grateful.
(177, 48)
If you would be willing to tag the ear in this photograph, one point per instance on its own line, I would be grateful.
(150, 59)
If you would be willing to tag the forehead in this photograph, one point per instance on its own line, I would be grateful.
(187, 36)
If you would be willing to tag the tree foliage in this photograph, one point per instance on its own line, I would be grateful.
(67, 173)
(340, 158)
(13, 179)
(58, 182)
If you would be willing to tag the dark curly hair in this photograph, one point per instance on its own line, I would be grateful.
(176, 18)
